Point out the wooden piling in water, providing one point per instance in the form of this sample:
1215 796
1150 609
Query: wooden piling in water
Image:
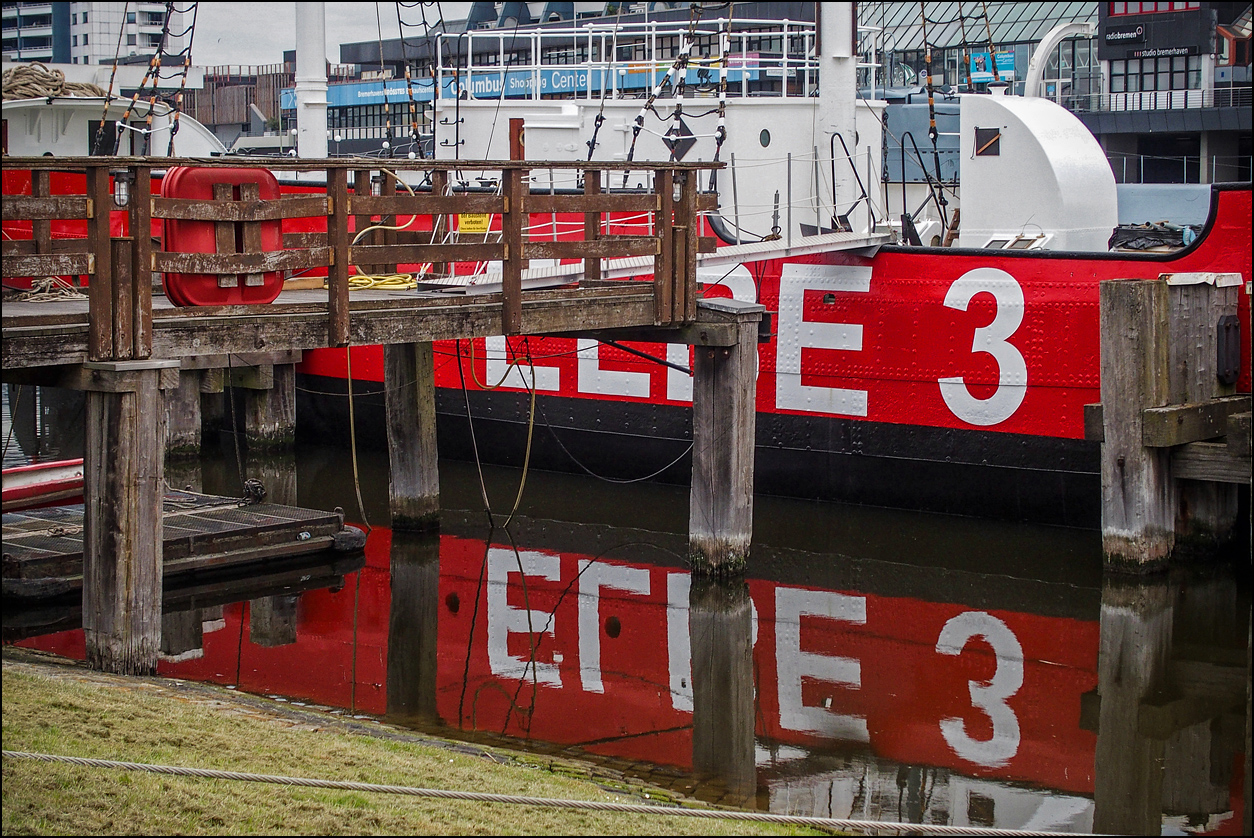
184 417
414 488
1138 498
1167 488
123 483
720 515
270 408
1207 509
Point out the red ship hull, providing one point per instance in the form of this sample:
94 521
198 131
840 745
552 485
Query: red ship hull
962 369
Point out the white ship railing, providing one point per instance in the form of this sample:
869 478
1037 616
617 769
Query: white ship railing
527 61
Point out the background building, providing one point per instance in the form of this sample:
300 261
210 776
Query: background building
88 33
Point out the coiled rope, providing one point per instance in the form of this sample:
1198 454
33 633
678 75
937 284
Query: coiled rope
485 797
44 290
35 81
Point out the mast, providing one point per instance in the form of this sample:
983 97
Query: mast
311 80
837 98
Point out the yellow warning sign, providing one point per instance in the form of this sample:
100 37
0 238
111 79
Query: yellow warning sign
473 222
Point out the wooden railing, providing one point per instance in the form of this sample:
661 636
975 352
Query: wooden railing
119 287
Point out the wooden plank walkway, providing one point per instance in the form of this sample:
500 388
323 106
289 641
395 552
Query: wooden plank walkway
38 334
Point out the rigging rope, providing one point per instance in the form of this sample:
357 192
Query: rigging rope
187 66
153 73
387 105
992 51
414 138
600 117
681 57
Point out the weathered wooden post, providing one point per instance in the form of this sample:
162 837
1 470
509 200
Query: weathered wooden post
122 529
124 457
720 517
1198 304
513 234
269 405
183 417
196 405
337 272
414 488
1139 499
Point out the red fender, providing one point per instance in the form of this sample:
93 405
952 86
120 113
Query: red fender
182 236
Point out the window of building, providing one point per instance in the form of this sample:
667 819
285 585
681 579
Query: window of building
74 19
74 60
130 40
1149 8
73 40
84 17
84 39
1135 75
130 17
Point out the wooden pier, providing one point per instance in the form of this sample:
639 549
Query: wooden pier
143 360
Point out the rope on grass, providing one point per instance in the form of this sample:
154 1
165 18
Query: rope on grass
484 797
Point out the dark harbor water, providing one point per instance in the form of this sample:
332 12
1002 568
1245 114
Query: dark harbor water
873 664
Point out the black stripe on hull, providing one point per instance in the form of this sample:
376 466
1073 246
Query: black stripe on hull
1013 477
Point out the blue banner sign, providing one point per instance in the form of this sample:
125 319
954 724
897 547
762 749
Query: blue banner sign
516 83
981 69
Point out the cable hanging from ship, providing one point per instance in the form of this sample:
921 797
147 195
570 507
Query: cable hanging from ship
964 62
932 133
97 146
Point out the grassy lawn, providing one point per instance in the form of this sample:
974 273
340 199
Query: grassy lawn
57 708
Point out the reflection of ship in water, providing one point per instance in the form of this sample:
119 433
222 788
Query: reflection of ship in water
940 672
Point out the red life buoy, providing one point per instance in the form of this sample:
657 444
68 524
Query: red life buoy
183 236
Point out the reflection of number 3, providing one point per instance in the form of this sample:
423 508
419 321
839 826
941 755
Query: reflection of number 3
1012 377
989 697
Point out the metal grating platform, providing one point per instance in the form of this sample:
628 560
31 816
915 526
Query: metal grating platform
199 531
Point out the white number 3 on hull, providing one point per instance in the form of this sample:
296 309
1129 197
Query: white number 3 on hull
1012 378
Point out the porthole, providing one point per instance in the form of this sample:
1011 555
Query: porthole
764 138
